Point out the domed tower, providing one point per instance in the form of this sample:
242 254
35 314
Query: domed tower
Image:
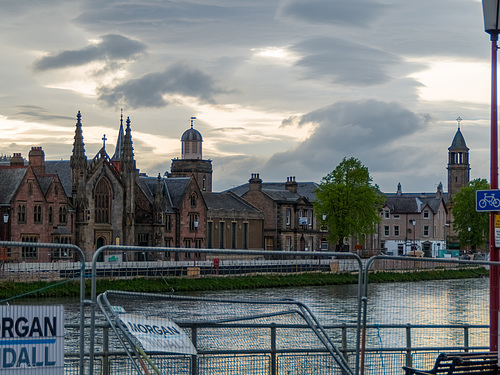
458 164
191 142
191 162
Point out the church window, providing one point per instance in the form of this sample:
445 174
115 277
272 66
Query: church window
56 190
210 226
63 213
168 223
29 252
37 214
21 214
51 215
193 199
30 187
102 202
221 235
193 222
61 253
233 235
204 183
143 239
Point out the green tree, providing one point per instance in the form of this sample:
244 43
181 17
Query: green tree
472 226
350 202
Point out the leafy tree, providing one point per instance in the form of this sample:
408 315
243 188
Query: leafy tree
349 200
465 215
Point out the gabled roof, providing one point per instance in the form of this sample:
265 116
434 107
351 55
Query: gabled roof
63 170
44 182
277 190
177 189
413 202
11 179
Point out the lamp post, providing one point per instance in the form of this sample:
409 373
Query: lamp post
491 15
414 247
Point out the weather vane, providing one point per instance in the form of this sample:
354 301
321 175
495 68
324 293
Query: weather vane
192 119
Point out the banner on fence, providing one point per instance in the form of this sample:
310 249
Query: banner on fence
158 334
32 340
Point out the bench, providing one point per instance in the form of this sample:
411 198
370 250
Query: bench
461 363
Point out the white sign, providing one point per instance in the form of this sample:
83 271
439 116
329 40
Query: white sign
31 340
497 237
158 334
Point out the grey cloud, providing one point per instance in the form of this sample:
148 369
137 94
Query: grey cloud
148 91
344 62
111 47
351 12
369 129
37 113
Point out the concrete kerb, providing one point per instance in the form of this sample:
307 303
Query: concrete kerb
324 254
82 284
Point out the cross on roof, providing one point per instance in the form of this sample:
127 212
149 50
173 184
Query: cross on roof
104 139
192 119
459 120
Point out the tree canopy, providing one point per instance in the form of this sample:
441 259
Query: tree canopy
349 200
466 217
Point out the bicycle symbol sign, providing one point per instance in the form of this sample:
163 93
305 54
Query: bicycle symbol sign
488 200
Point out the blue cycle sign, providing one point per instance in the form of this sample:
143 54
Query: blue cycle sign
488 200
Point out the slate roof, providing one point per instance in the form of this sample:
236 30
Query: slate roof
227 201
277 190
176 188
63 169
458 141
44 182
413 202
11 179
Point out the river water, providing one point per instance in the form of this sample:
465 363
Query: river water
435 303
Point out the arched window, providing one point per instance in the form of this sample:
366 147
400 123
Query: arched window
193 199
102 202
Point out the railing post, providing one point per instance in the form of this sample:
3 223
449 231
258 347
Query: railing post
466 337
408 346
344 341
105 351
194 358
273 349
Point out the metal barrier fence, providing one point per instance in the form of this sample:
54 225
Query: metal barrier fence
69 247
241 253
383 331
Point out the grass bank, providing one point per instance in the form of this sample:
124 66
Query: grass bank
162 285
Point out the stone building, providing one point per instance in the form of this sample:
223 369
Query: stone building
290 222
424 221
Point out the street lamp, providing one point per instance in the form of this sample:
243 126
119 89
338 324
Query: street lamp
492 26
414 247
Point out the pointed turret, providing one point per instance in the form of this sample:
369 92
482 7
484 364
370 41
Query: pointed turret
78 160
119 143
128 150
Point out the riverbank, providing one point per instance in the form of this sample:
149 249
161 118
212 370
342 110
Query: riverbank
71 288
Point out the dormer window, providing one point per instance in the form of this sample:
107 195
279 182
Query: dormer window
426 214
387 214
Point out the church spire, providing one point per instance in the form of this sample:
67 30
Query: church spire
78 159
119 142
128 149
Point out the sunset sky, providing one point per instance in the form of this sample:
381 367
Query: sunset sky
279 87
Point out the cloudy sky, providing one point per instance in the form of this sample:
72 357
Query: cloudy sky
278 87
